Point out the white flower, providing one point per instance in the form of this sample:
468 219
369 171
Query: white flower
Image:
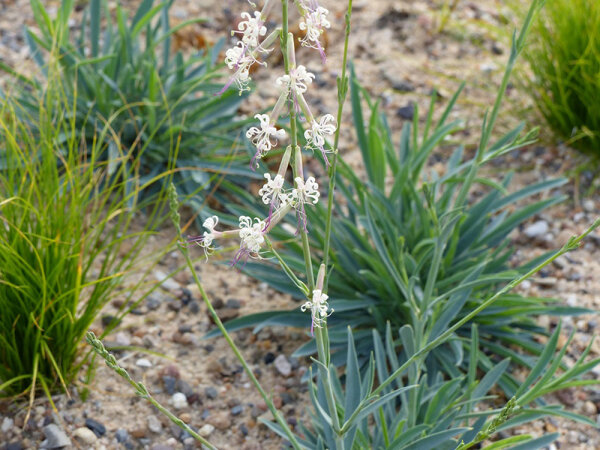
315 135
263 138
251 29
273 190
305 191
251 234
209 235
239 58
206 239
318 308
313 23
297 80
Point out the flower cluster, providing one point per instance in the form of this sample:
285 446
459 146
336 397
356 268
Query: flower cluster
251 48
313 23
318 307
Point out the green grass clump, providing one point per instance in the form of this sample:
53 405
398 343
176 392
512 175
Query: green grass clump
122 70
67 240
564 56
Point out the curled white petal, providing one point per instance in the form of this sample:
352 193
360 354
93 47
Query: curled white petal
251 29
325 126
251 234
265 137
272 189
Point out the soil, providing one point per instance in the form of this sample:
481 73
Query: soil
400 55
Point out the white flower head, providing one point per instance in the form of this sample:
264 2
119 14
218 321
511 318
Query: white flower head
305 191
265 137
273 190
251 29
206 239
315 135
318 308
240 59
313 23
209 235
298 80
252 234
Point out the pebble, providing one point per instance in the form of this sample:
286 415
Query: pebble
184 387
143 362
211 392
169 383
123 339
269 358
179 401
537 229
13 446
220 421
167 283
283 366
96 427
206 430
588 205
233 303
589 408
7 424
154 424
122 435
153 303
406 112
55 437
85 435
237 410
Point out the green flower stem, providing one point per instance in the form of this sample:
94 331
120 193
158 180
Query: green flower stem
571 245
489 121
342 91
276 414
287 49
140 389
322 340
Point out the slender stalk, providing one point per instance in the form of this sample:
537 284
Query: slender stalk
140 389
342 92
276 414
287 49
571 245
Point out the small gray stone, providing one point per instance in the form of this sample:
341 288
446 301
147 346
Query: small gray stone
122 435
406 112
211 392
55 437
96 427
283 366
233 303
169 383
7 425
153 303
237 410
537 229
184 387
167 283
154 424
143 362
589 205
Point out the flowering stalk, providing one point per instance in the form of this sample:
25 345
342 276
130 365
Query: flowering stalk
342 86
185 251
281 200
